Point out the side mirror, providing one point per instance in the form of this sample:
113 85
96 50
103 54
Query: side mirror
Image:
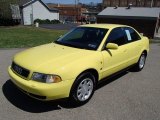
112 46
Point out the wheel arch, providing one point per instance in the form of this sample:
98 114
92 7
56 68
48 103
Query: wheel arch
93 71
145 52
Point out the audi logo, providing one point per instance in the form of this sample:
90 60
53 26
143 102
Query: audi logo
18 69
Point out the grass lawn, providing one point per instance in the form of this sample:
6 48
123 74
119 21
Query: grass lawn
21 36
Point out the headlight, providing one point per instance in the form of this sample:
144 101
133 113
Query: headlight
45 78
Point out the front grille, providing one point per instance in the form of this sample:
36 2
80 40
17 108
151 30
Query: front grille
20 70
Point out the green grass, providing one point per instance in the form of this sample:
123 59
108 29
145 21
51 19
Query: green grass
21 37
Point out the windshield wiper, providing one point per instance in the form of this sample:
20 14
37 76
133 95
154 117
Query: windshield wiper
71 45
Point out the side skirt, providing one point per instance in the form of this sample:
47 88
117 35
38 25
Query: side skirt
115 74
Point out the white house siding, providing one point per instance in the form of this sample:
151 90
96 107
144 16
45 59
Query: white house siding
27 14
39 12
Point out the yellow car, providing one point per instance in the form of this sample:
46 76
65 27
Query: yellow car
72 66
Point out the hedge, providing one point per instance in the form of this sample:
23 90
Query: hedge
9 22
47 21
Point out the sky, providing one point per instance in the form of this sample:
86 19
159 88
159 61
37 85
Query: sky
71 1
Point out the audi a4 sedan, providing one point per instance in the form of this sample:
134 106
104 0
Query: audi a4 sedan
72 66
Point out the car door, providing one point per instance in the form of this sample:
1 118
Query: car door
115 59
133 44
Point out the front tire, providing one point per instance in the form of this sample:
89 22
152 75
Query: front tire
83 88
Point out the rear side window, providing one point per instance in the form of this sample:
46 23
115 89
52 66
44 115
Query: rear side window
117 36
131 34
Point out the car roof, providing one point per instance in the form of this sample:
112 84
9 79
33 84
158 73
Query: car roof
106 26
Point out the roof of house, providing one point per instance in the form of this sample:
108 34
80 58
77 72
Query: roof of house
132 12
33 1
22 2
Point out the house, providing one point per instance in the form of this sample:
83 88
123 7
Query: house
36 9
25 11
69 12
135 3
145 20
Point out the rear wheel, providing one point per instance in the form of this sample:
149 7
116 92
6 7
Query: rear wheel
141 62
83 88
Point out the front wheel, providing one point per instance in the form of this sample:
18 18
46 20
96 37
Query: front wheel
83 88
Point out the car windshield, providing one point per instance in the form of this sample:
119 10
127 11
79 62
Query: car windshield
83 37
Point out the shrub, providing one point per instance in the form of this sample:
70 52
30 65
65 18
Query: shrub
37 20
47 21
8 22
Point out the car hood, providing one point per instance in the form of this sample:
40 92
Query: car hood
49 56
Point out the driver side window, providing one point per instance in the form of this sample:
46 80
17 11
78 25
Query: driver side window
117 36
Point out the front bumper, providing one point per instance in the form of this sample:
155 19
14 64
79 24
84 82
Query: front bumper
42 91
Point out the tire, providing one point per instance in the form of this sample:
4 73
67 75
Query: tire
83 89
141 62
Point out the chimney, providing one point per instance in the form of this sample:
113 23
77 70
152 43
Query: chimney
116 7
129 6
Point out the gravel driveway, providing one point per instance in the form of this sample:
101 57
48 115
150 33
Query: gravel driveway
129 96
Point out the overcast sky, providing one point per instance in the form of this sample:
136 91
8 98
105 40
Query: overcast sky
71 1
